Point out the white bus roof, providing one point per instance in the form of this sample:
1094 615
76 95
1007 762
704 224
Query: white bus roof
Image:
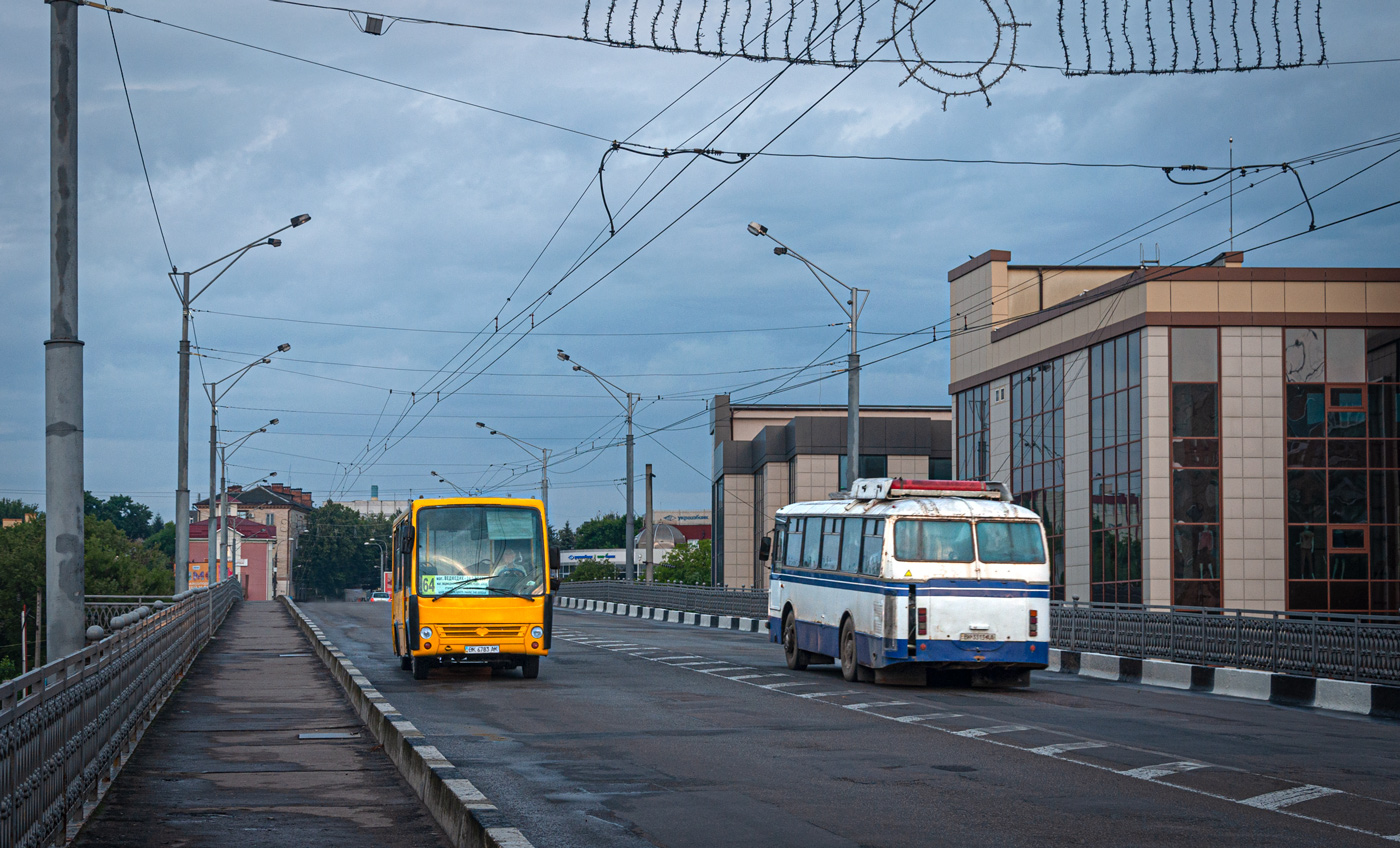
913 507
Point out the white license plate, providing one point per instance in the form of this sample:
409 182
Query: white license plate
979 637
481 649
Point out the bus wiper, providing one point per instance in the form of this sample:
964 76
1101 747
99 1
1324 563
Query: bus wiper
512 594
458 585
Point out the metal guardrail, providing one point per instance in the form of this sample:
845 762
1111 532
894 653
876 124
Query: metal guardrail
101 609
1363 648
66 728
709 600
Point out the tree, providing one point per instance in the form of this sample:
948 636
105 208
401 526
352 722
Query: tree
16 508
132 518
332 555
164 541
604 531
562 540
686 564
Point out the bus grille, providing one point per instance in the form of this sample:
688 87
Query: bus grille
480 631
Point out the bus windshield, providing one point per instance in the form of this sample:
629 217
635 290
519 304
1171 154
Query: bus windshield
467 551
1010 542
918 540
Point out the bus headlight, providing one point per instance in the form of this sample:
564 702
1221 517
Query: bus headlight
537 632
426 632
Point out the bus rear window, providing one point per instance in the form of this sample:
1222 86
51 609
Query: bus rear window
932 541
1010 541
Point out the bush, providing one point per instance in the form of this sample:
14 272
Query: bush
593 570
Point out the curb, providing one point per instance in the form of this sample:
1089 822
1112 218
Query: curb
468 818
742 624
1368 699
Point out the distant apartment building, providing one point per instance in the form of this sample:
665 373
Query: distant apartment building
1203 436
766 457
376 508
283 507
252 548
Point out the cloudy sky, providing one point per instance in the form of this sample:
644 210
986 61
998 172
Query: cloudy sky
432 218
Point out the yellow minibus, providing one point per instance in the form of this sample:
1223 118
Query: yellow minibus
472 580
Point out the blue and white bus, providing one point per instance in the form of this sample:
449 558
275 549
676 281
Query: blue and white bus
908 576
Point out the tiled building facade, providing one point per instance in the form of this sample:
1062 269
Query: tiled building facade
1205 436
766 457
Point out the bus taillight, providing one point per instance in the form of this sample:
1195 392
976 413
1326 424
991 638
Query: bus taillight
1035 622
923 622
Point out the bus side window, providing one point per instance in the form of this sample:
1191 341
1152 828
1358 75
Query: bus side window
831 543
812 542
850 545
873 546
792 551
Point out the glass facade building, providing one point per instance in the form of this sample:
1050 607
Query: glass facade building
1038 455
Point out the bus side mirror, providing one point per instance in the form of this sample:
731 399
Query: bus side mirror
406 541
765 548
554 566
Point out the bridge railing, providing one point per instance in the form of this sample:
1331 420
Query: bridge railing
1364 648
709 600
66 727
101 609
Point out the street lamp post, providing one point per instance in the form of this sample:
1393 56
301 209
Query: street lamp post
182 486
380 545
213 392
852 309
544 464
225 451
629 407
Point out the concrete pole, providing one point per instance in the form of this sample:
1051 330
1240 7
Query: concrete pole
853 399
182 461
213 552
544 485
651 529
630 526
225 557
63 352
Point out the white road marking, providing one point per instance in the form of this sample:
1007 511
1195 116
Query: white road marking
1062 747
977 732
1153 772
781 685
695 662
668 659
910 719
824 694
716 671
876 704
751 676
1288 797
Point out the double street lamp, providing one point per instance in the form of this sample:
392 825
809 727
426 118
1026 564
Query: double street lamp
226 450
544 464
181 281
629 406
852 307
382 552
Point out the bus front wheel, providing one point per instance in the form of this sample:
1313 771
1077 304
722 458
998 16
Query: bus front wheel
797 658
421 666
849 667
530 667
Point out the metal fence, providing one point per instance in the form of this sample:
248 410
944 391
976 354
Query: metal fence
66 727
710 600
1346 647
101 609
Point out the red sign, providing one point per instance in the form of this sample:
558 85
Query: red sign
389 582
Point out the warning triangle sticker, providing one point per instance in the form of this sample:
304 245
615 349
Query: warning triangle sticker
908 574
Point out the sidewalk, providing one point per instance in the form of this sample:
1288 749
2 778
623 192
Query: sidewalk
223 765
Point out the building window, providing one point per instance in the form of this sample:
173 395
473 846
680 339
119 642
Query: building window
1037 456
940 469
870 466
974 432
717 544
1342 425
1115 470
1196 566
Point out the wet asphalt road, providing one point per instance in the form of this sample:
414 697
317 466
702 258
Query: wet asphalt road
642 733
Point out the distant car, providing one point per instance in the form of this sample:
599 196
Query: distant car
380 596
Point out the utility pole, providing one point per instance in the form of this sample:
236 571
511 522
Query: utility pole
631 528
63 352
651 529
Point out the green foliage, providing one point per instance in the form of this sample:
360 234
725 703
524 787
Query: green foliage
562 540
113 565
132 518
16 508
604 531
593 570
332 555
688 564
164 541
8 668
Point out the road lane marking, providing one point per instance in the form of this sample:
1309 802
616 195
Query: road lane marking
875 704
1062 747
1153 772
1276 802
1288 797
977 732
698 662
781 685
687 657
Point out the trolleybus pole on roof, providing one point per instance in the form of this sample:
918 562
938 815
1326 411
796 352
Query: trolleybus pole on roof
544 463
852 308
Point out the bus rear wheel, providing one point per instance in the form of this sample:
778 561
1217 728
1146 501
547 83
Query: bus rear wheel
421 666
849 667
530 667
797 658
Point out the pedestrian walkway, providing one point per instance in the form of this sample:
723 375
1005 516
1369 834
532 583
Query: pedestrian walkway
230 761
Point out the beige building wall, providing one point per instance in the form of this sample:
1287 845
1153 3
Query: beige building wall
999 439
1077 512
773 493
908 467
1251 466
1156 467
738 529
